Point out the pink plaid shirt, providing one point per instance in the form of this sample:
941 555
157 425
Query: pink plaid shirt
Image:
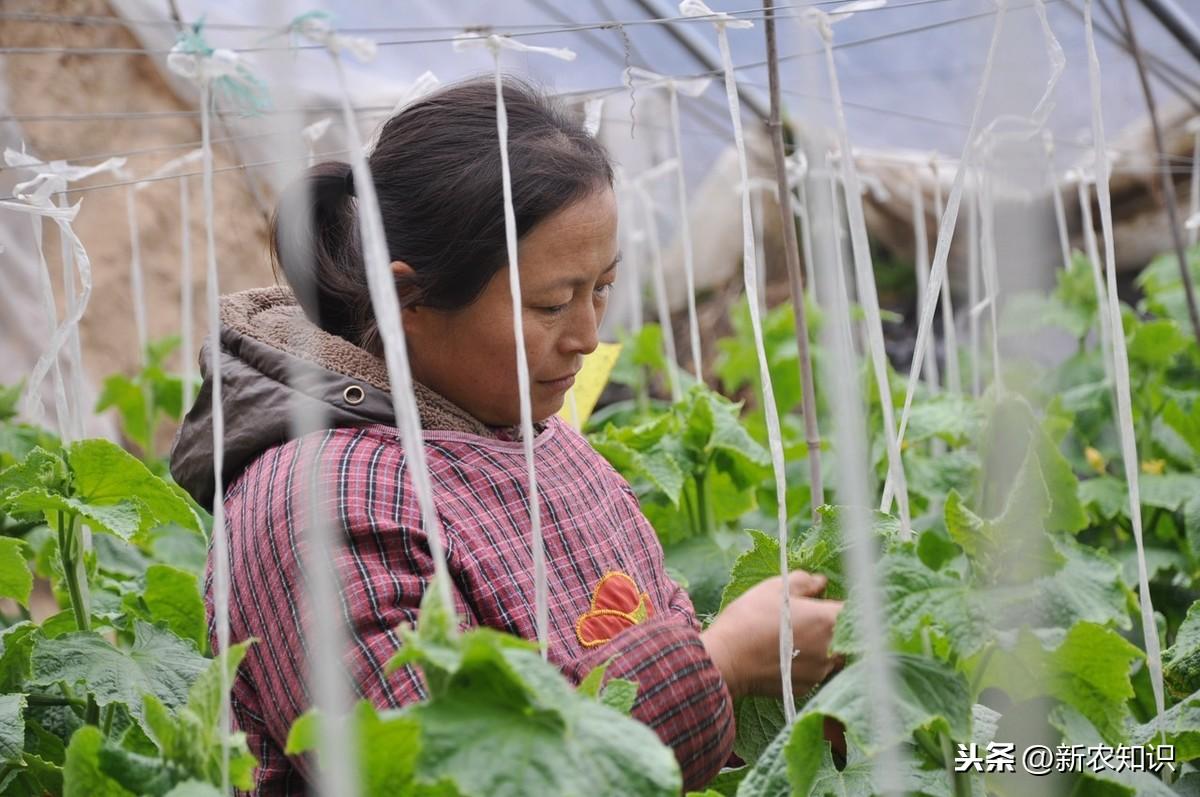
609 594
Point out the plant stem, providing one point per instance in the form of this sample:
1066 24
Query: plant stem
691 512
988 652
109 711
702 503
66 552
52 700
812 435
92 713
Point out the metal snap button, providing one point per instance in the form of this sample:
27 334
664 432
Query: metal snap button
354 395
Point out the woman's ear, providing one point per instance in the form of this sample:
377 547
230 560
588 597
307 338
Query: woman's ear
410 313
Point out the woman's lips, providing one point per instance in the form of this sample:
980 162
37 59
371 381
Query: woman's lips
562 384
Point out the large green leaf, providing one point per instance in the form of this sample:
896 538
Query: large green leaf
1181 661
755 565
121 519
106 474
925 694
82 775
1089 671
16 581
159 664
172 596
12 728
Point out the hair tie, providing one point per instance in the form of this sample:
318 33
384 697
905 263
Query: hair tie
348 181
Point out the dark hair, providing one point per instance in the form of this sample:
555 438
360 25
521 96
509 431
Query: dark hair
436 170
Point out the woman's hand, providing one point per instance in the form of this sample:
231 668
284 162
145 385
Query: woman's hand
743 641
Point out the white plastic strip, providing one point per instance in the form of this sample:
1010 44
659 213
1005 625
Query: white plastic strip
991 277
1060 215
496 44
185 290
921 266
801 210
1093 253
949 327
865 282
750 278
660 292
1121 369
973 288
73 348
136 280
941 252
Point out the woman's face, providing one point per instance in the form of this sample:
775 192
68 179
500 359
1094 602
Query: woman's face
567 267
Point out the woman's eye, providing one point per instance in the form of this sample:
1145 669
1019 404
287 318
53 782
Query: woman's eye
554 309
604 290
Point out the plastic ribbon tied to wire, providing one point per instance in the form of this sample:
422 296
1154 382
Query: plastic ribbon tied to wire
497 44
696 8
216 71
694 87
1121 369
52 178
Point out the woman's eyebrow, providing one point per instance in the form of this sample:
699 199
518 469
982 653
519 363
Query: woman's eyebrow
577 281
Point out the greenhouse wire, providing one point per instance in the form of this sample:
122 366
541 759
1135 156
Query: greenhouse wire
941 252
949 328
770 411
1121 372
1092 247
864 278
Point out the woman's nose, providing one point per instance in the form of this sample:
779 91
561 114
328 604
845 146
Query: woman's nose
583 333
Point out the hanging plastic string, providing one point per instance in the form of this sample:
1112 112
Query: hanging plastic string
1121 369
1060 215
941 252
864 274
689 88
800 209
1092 248
921 239
52 179
631 246
757 188
949 328
424 84
695 8
1193 127
137 287
216 72
496 44
658 275
973 288
171 167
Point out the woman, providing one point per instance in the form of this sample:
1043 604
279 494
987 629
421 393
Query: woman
436 168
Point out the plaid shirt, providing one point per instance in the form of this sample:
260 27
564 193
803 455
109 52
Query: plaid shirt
609 593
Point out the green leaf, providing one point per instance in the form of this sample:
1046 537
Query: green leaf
1181 661
194 788
10 396
12 728
1185 422
82 775
757 721
935 550
590 685
620 694
925 695
140 774
754 566
159 663
16 581
16 646
1090 671
1169 491
173 597
1106 496
129 399
1178 726
1155 344
106 474
121 519
965 527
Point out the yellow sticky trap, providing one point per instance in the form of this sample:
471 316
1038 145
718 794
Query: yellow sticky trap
589 384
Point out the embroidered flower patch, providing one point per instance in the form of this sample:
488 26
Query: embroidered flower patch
616 605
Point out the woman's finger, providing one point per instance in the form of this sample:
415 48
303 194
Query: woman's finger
806 585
